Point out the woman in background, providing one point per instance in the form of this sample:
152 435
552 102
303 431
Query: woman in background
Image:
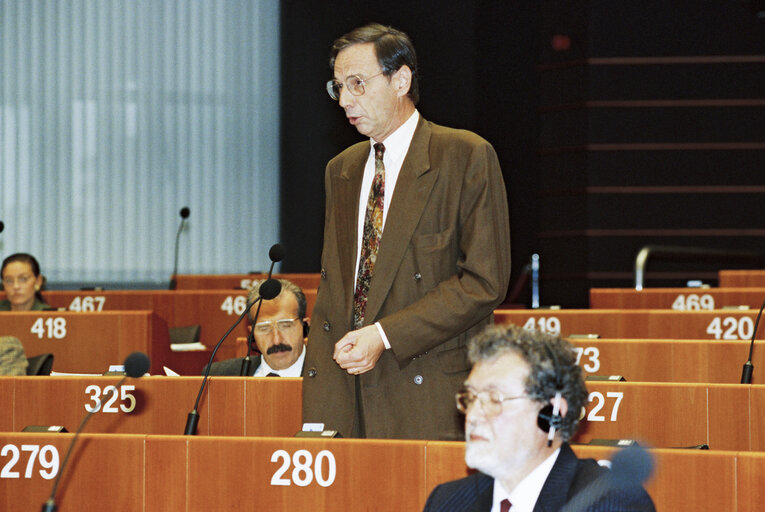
22 282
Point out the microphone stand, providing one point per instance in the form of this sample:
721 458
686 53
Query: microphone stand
193 417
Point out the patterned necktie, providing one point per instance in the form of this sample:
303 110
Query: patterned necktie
504 505
272 374
373 222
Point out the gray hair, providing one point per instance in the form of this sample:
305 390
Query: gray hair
286 286
552 366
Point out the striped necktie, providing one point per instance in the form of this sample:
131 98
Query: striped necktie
373 222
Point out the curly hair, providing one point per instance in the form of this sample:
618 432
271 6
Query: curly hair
552 366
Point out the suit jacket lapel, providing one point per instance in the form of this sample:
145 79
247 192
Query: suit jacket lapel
555 490
347 186
415 181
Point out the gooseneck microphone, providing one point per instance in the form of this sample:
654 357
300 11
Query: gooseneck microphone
746 372
185 212
268 290
276 253
136 364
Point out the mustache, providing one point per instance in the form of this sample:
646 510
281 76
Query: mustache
281 347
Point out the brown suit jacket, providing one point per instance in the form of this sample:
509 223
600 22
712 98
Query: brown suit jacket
442 267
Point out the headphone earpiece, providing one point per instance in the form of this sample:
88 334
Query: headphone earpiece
546 419
306 327
549 418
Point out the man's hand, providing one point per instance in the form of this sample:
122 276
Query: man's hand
358 351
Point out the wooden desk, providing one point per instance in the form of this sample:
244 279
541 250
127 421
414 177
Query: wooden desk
240 281
723 416
169 473
742 278
214 311
655 360
635 323
680 299
233 406
663 414
90 342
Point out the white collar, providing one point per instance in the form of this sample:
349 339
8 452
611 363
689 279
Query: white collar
526 493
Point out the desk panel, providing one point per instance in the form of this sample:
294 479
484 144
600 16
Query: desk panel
741 278
89 342
235 406
675 415
165 473
240 281
247 469
635 323
655 360
104 473
6 403
679 299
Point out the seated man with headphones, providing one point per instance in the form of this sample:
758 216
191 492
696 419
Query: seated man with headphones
279 335
522 403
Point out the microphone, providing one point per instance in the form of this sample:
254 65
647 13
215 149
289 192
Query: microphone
136 364
2 226
268 290
185 212
746 371
276 253
630 467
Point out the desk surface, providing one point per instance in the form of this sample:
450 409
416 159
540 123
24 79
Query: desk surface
240 281
635 323
163 473
680 299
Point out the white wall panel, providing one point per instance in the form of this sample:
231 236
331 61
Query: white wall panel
115 114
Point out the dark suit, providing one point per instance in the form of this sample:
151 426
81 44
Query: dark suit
568 477
442 267
232 367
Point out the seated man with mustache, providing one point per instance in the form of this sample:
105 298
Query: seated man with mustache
279 335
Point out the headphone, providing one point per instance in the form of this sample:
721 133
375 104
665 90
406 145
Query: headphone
306 327
549 418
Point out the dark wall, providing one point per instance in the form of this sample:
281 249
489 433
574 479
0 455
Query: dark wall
477 62
617 124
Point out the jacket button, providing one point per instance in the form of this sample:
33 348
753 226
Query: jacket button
417 276
311 372
325 326
418 379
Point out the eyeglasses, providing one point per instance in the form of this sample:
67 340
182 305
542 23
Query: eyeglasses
491 401
22 280
267 327
355 85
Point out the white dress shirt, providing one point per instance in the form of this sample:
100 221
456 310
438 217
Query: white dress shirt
396 148
526 493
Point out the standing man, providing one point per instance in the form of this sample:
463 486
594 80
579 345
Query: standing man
416 253
522 403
